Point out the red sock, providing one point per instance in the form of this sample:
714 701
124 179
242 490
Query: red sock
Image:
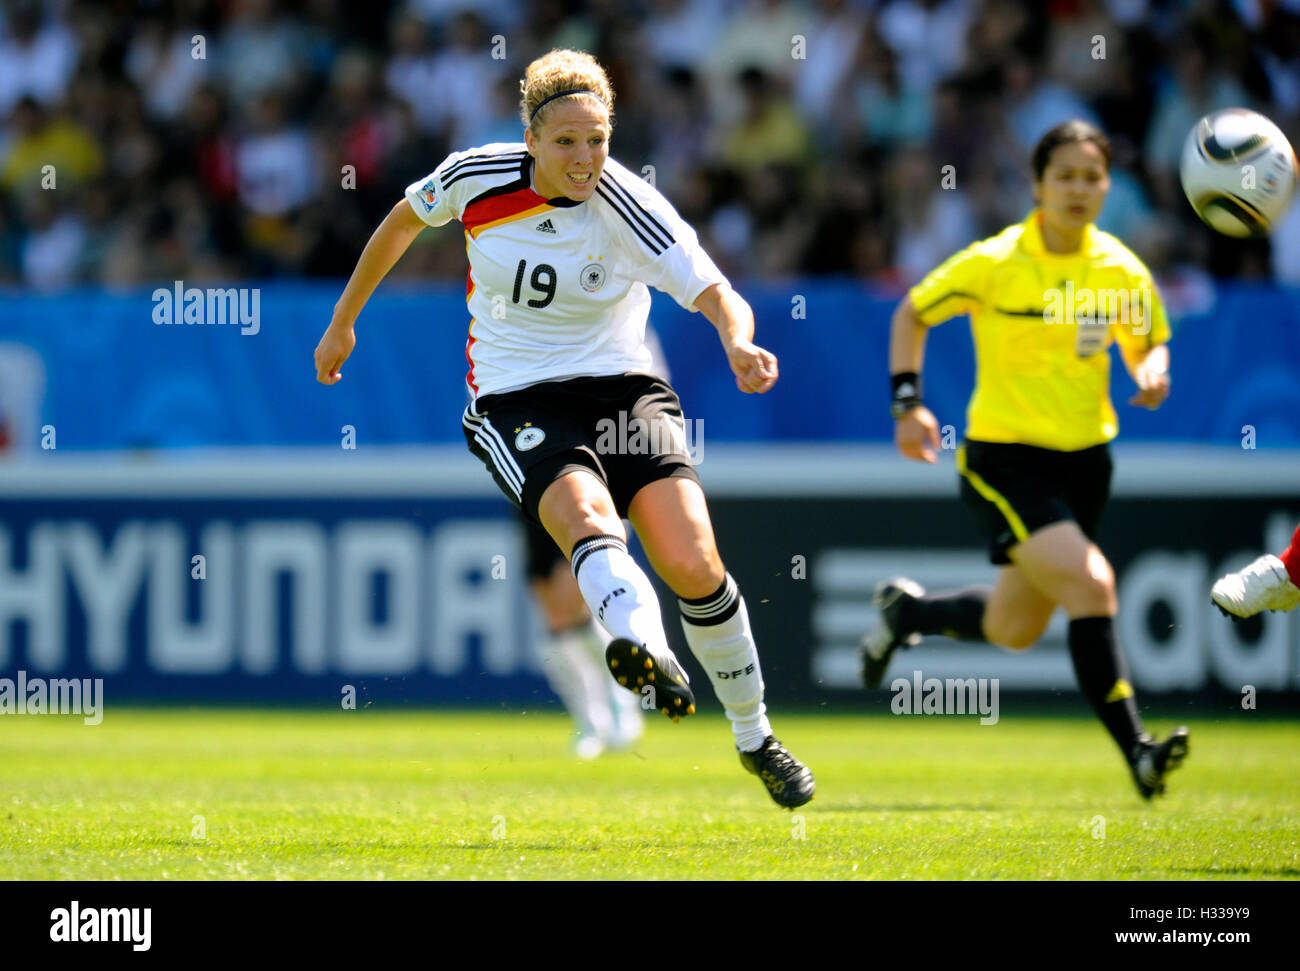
1291 558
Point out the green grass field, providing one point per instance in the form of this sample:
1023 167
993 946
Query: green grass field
369 795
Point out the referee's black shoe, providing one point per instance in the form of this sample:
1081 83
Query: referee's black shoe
661 680
1151 761
789 782
879 646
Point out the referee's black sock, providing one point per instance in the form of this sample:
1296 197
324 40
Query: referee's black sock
1103 676
958 614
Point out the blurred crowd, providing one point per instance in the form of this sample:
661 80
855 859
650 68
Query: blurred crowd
207 140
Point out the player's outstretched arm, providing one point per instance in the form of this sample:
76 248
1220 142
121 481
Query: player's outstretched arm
916 430
1150 372
386 246
754 367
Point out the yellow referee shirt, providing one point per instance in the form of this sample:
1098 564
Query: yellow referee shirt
1042 324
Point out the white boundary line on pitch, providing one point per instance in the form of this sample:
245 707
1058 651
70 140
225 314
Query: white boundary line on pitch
446 471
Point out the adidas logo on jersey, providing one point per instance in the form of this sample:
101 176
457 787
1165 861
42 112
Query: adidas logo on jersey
546 227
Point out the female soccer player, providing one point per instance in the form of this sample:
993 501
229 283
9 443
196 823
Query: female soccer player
1046 298
573 647
563 242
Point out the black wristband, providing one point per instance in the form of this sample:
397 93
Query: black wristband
906 393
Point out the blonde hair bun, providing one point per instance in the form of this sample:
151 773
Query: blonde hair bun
559 71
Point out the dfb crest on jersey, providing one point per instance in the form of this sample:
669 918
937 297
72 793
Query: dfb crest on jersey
527 436
592 277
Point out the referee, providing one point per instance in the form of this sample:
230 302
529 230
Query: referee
563 245
1046 298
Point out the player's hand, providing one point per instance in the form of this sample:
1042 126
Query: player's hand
332 351
755 368
1153 388
917 435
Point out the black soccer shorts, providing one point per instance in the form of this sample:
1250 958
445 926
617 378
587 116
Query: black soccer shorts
1015 490
626 429
543 554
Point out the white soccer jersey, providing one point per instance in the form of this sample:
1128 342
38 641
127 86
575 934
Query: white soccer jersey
558 289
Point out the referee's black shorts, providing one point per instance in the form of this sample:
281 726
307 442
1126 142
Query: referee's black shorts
1015 490
626 429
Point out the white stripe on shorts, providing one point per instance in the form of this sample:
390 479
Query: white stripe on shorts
493 450
492 443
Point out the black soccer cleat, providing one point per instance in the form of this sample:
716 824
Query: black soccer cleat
1151 761
879 646
660 679
789 782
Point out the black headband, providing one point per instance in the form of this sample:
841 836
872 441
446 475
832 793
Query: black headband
558 94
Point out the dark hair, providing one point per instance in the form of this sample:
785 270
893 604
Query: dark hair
1068 133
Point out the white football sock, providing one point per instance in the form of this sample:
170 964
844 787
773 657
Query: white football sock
717 629
595 639
623 706
619 593
579 683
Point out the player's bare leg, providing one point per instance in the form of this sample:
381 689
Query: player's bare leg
578 512
672 519
1011 614
1016 613
1067 568
1269 583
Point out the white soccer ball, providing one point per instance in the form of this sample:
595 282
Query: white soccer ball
1239 172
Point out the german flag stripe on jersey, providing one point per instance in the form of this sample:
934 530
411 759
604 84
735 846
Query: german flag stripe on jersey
496 210
470 339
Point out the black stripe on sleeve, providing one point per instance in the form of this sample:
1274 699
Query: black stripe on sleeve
448 183
1019 313
483 160
934 303
655 247
636 208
